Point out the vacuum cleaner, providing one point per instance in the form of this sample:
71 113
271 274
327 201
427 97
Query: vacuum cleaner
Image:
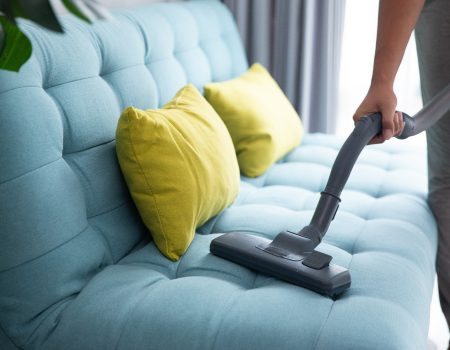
292 256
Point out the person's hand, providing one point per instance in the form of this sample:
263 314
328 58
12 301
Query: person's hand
382 99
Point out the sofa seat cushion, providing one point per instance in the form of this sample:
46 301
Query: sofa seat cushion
384 233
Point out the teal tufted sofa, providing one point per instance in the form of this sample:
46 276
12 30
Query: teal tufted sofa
77 267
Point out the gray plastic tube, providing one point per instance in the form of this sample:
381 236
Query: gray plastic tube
431 113
364 131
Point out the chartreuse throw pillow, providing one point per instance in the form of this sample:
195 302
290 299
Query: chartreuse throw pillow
262 122
180 166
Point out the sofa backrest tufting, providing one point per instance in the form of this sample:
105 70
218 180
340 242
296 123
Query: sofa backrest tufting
72 215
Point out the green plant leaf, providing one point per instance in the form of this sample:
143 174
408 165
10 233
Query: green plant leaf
16 48
38 11
72 8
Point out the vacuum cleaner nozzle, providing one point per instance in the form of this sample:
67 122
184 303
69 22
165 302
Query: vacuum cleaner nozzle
303 266
292 256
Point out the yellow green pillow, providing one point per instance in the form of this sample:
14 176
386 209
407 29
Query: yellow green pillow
262 122
180 167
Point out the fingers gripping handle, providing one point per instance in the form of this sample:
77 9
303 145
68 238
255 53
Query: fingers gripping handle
377 126
426 117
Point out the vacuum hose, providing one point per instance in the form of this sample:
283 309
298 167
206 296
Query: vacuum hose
364 131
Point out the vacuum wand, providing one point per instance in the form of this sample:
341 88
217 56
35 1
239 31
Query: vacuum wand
292 256
365 130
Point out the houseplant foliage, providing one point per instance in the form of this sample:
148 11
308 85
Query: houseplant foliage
15 47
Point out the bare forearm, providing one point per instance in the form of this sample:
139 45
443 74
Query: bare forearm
396 20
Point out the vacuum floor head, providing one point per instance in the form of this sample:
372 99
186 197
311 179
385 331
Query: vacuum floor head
303 266
292 256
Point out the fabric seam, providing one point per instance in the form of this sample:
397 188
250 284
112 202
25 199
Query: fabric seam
9 338
30 171
47 252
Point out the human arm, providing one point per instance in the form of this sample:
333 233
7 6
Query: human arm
396 20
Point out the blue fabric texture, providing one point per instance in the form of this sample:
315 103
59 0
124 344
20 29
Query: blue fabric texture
77 267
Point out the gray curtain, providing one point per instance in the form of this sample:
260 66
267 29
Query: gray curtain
299 41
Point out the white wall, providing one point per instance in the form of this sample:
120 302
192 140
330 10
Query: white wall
357 60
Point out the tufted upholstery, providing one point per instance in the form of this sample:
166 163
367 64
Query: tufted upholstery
77 269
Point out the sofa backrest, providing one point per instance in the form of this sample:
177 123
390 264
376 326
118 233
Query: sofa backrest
65 211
